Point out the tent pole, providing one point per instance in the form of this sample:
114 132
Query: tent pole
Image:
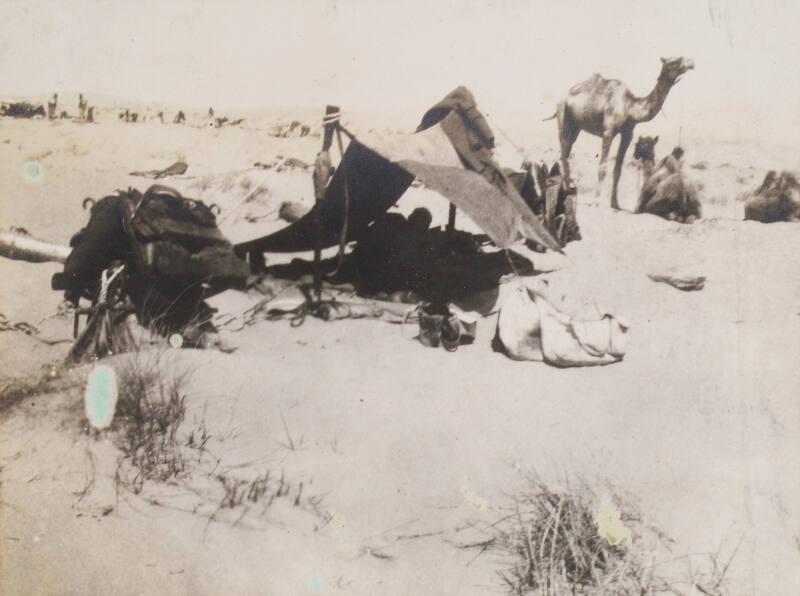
327 140
451 220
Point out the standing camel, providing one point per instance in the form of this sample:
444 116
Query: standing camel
606 108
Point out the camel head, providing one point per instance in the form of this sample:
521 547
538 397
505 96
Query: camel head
673 68
645 149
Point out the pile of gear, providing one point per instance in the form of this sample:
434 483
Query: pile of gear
157 255
555 202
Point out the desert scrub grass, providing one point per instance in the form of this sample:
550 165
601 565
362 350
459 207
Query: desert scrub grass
556 544
150 412
246 497
556 547
262 489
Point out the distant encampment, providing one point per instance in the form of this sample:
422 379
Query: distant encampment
21 109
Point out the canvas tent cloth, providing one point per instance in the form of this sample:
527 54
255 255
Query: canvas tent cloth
450 153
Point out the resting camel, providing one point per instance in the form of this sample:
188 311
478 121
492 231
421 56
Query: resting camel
606 108
668 193
777 199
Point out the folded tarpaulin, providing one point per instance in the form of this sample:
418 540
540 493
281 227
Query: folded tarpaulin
379 169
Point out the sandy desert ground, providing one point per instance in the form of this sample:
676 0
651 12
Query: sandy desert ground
405 453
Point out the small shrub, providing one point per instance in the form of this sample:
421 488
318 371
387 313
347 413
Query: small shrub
556 547
150 411
262 488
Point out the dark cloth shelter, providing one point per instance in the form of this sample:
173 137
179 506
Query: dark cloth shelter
450 153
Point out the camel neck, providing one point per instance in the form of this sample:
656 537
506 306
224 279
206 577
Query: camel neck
645 108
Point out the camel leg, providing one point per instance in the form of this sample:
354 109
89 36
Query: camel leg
567 135
624 142
608 138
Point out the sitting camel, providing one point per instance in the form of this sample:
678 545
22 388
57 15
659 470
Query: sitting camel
777 199
668 194
606 108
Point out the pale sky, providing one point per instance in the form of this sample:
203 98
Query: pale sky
396 55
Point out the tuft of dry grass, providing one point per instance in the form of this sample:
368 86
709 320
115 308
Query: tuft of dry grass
263 488
158 444
244 498
555 547
150 412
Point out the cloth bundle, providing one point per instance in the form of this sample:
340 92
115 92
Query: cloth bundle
531 327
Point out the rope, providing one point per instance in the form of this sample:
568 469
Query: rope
326 310
332 118
22 326
63 310
107 277
28 329
518 149
511 263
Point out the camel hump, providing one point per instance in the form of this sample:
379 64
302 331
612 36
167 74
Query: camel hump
586 85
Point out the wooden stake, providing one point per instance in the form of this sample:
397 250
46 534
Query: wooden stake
451 220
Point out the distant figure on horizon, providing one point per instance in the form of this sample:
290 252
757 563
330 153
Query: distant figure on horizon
211 113
82 105
52 106
180 118
90 114
160 116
